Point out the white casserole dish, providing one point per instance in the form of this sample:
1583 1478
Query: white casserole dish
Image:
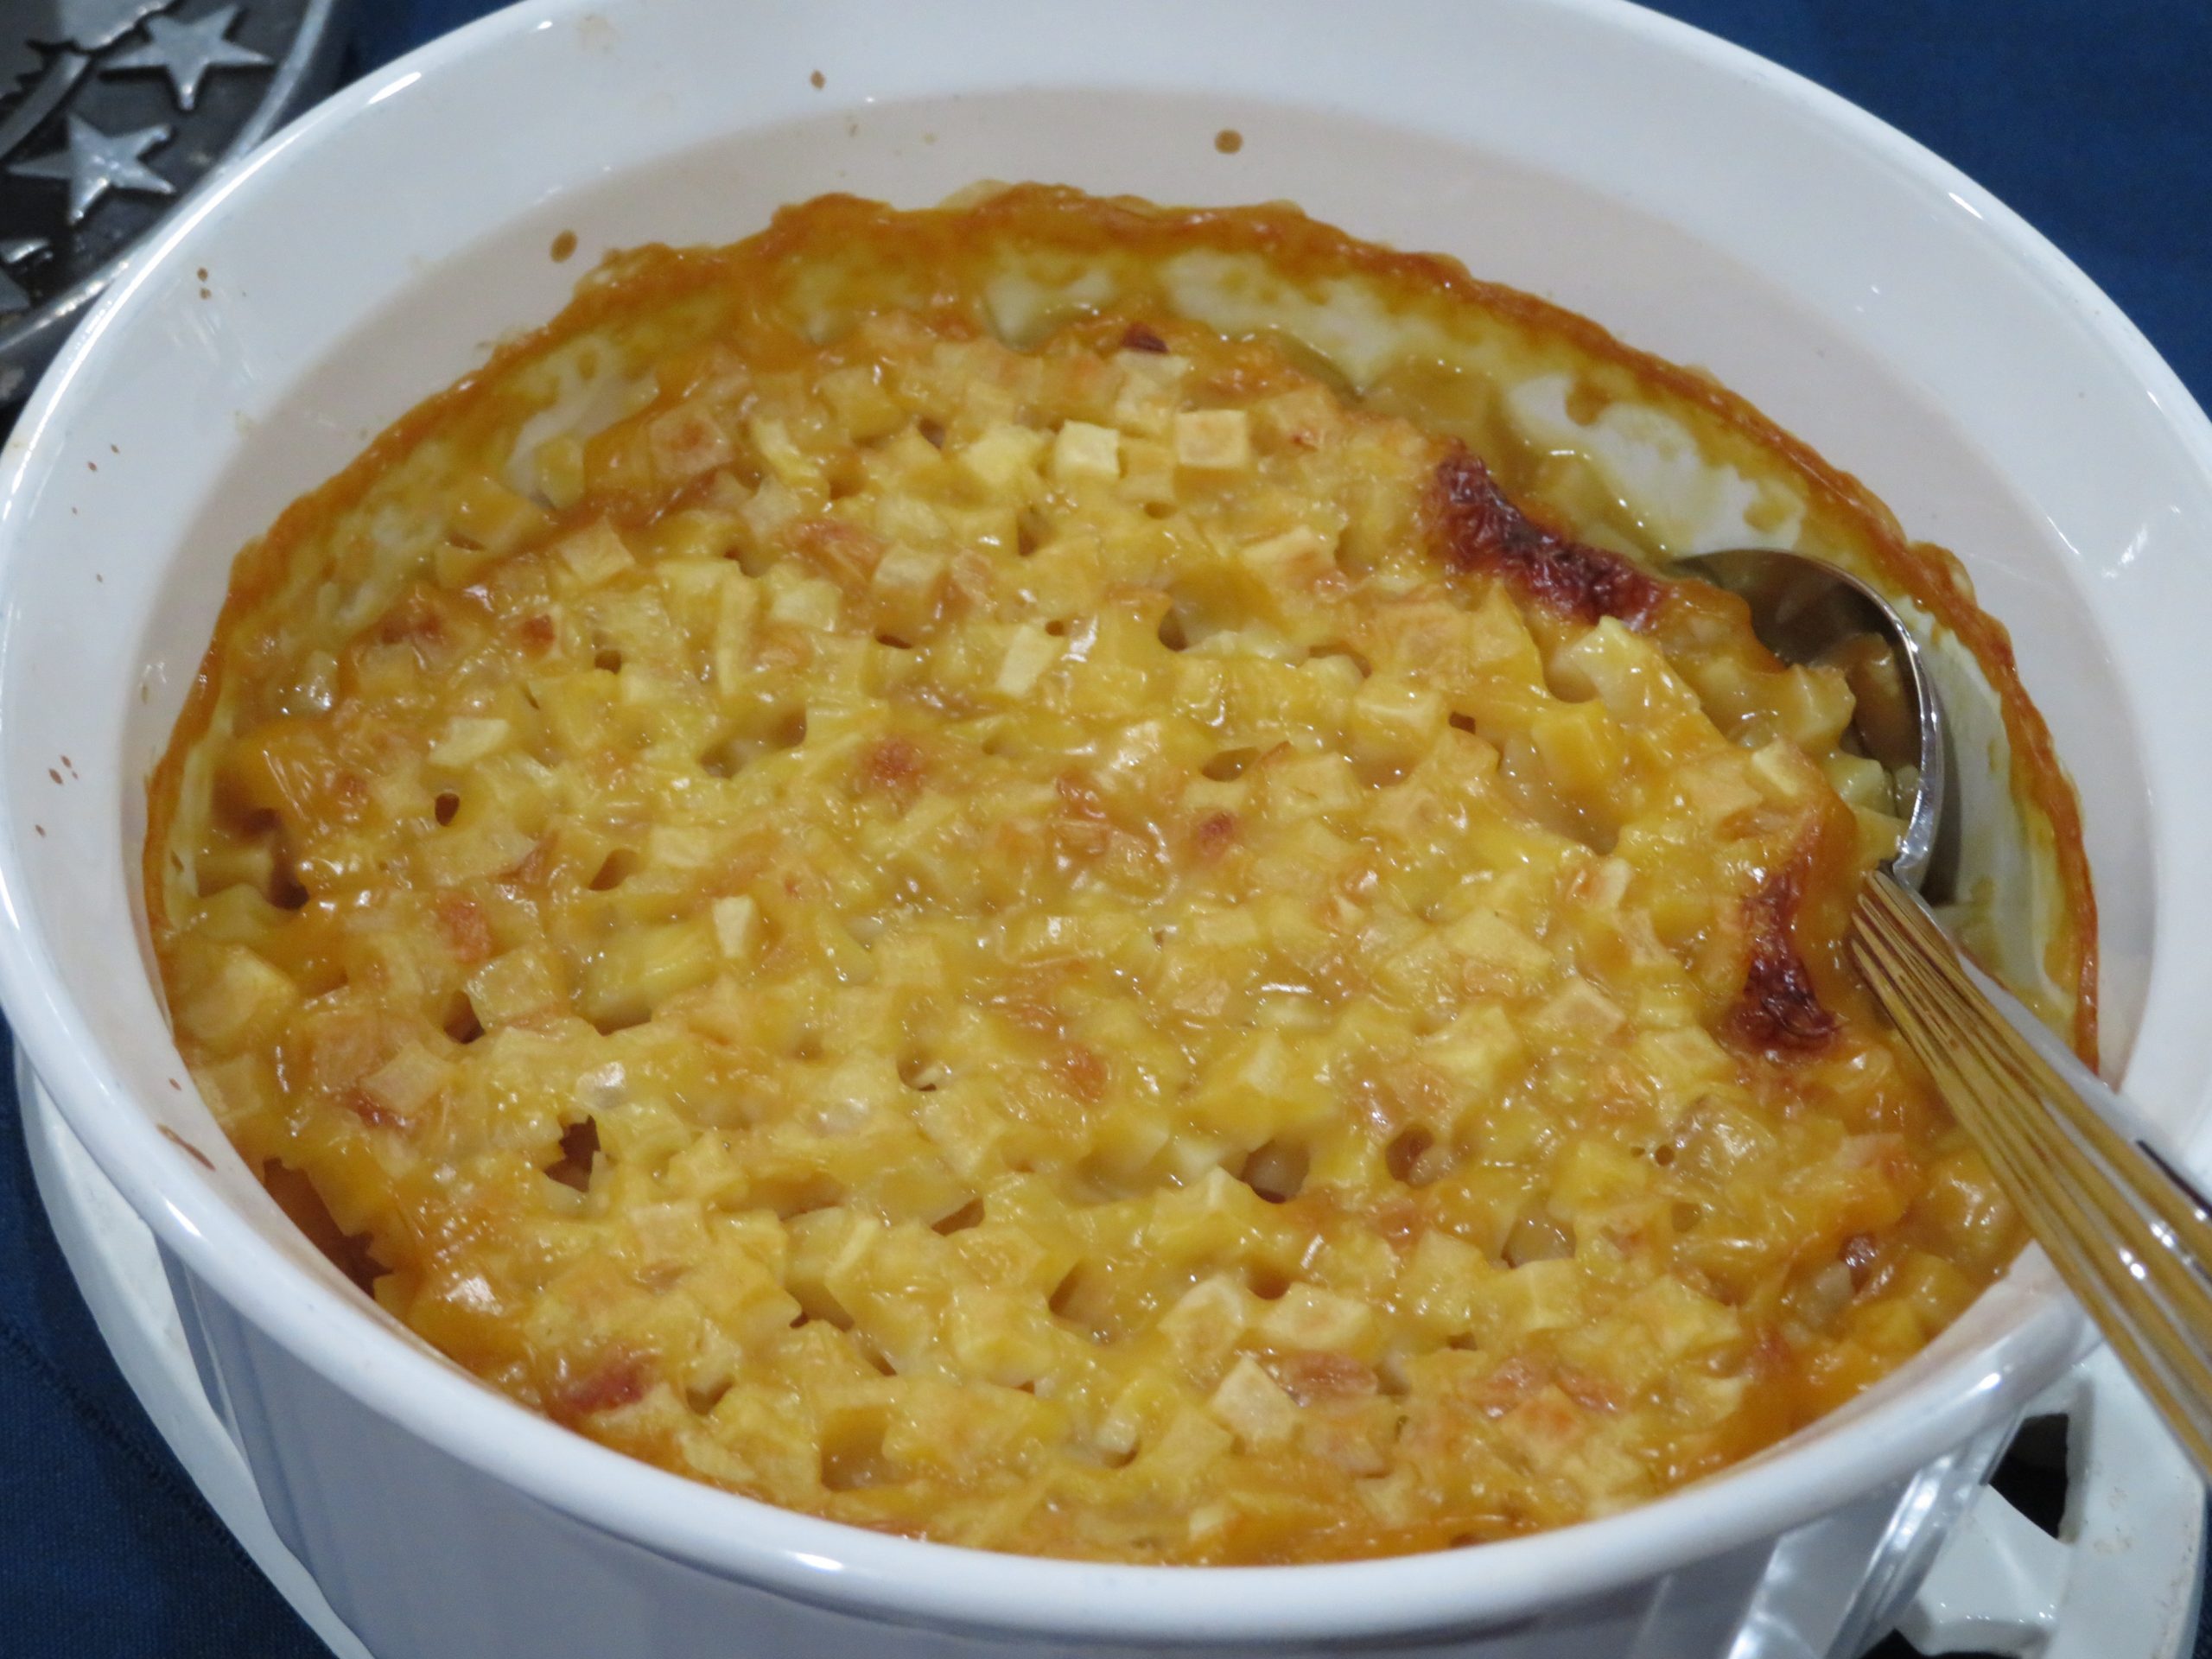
1700 203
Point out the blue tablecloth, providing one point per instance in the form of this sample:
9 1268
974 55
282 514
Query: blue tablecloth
2092 118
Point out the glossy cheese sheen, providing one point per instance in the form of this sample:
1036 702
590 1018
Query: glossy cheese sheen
903 869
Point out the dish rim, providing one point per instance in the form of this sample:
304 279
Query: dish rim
912 1580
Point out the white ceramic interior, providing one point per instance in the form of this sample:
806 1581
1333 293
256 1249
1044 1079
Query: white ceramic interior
1702 203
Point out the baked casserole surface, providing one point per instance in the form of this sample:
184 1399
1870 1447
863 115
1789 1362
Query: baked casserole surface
1067 877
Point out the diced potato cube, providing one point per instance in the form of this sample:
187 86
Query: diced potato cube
488 513
1781 767
1498 639
1148 472
1479 1051
1253 1406
1028 654
1309 1317
740 601
1543 1429
559 463
459 854
1213 440
1681 1321
787 463
680 846
1682 1061
512 987
1226 929
1301 555
1084 451
594 554
1499 956
1003 457
771 506
637 971
858 395
1206 1322
909 582
1264 1066
1304 419
1192 1441
1861 780
1580 746
1718 790
1395 1499
1580 1012
686 441
1393 718
1596 1175
1543 1295
468 740
901 518
810 601
246 994
734 917
966 1129
456 566
407 1082
857 1091
1161 370
1438 1289
996 1336
1813 705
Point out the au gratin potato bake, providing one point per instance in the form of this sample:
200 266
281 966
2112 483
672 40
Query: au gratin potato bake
1070 877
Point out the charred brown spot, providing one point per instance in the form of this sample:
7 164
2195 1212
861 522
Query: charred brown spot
536 867
1141 338
1779 1009
1518 1379
413 621
1084 1072
468 931
1860 1253
1214 833
371 1110
537 632
1315 1379
607 1385
846 553
1401 1221
891 766
1772 1355
1080 796
1474 528
1591 1393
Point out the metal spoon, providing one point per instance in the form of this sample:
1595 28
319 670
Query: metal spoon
2104 1191
1806 610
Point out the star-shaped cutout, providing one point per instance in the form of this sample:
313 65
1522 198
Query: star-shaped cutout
96 162
186 52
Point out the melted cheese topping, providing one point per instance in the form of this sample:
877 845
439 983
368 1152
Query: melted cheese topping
1089 946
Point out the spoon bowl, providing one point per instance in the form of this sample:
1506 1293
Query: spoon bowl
1806 610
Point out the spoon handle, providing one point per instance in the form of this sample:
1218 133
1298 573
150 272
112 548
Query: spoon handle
2107 1196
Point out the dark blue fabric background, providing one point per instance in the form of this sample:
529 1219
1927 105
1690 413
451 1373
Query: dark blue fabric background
2092 118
